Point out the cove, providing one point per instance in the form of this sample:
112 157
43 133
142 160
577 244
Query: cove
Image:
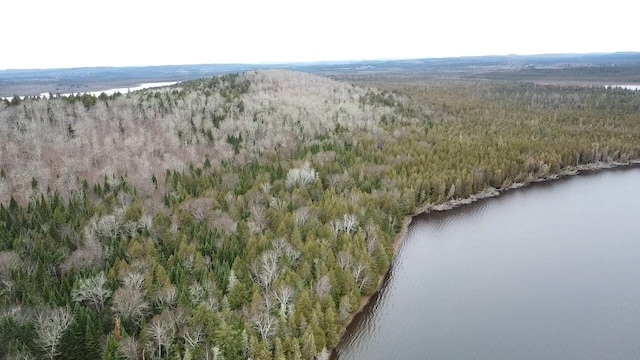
548 271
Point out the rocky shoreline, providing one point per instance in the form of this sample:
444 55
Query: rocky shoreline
486 193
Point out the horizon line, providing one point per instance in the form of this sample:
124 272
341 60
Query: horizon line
284 63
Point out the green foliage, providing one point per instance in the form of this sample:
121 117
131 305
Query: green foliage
14 336
84 337
16 100
236 142
230 248
134 212
111 349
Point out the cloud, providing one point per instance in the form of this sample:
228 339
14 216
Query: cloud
118 33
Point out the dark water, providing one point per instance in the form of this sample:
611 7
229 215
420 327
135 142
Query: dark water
546 272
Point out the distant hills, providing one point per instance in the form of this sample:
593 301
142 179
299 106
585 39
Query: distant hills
36 81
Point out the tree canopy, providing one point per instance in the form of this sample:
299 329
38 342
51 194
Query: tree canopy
246 216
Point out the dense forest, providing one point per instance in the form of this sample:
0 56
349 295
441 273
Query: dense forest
246 216
607 68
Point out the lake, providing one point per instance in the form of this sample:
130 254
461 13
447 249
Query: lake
551 271
122 90
627 87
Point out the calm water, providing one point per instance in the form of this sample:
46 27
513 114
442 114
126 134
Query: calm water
627 87
546 272
122 90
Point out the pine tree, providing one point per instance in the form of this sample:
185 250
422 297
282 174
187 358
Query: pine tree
111 349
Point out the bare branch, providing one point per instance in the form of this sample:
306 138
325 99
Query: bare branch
301 215
345 260
51 325
162 330
265 270
284 295
349 222
302 176
129 348
193 336
129 303
92 292
167 296
323 286
265 324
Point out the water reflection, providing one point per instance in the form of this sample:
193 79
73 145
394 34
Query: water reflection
543 272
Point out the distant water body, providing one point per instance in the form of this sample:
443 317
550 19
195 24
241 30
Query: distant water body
627 87
546 272
122 90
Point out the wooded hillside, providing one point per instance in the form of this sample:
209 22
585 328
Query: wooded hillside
246 216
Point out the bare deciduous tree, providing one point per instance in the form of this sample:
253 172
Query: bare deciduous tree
110 226
301 215
196 293
146 222
14 313
264 270
302 176
277 203
284 295
217 353
345 260
89 253
129 348
198 208
292 254
372 237
268 301
265 324
322 286
349 222
193 336
51 325
265 188
221 221
128 303
124 199
178 316
323 354
334 180
211 303
162 330
133 279
337 226
258 222
360 275
92 292
9 261
167 296
279 245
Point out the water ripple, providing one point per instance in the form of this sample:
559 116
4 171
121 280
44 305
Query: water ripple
548 272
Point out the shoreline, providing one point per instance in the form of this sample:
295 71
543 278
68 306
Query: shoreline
455 203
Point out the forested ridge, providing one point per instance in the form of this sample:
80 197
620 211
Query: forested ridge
246 216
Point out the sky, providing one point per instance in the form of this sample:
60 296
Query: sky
74 33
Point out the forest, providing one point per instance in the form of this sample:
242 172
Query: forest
607 68
246 216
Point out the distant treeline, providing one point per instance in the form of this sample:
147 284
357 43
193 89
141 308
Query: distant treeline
246 216
37 81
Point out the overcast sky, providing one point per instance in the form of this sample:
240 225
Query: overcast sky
73 33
